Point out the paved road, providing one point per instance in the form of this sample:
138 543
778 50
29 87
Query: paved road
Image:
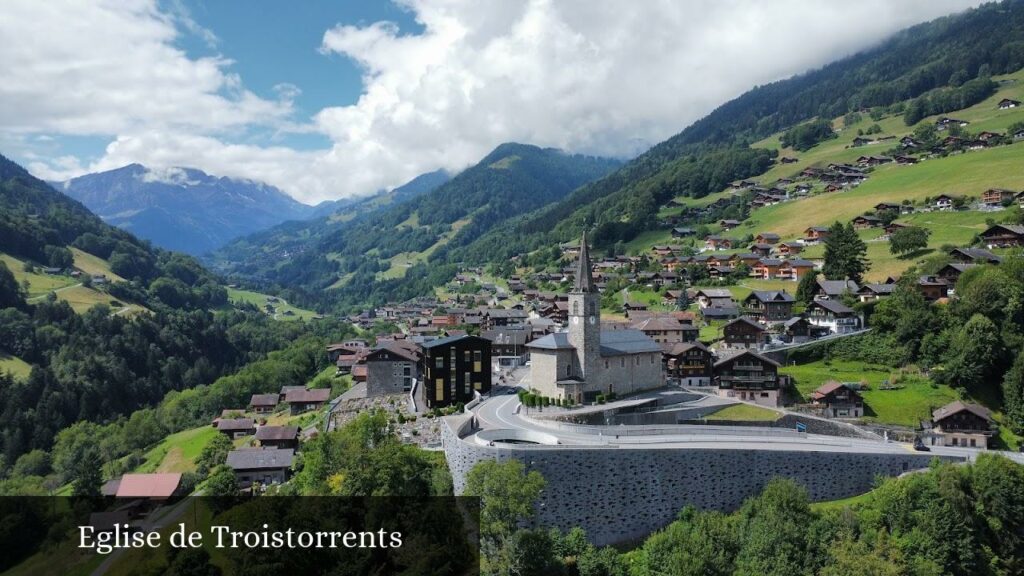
502 410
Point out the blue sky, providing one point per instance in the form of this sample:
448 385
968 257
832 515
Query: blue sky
331 99
274 43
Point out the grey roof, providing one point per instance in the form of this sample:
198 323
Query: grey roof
746 320
837 287
771 296
746 353
235 424
833 306
977 254
277 433
264 399
449 340
878 288
958 406
714 293
305 396
262 459
556 341
1014 228
800 262
584 282
619 342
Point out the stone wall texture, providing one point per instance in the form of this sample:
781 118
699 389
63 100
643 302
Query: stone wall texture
623 494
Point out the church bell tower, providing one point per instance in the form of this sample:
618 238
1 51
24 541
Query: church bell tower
585 317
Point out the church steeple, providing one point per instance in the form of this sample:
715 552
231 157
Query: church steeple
584 283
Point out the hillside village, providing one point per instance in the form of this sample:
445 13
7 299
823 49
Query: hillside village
716 289
844 313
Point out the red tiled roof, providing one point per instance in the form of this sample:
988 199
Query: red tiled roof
148 485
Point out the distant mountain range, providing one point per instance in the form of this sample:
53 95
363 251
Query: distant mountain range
183 209
382 248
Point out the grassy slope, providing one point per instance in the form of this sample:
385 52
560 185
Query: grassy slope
746 413
39 284
906 406
402 261
177 452
93 265
15 366
260 300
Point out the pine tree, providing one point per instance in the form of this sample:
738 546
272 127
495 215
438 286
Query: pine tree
845 254
1013 394
806 288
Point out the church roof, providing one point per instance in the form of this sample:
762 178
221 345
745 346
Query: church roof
620 342
584 278
556 341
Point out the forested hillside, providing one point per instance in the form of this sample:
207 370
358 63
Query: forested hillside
382 257
149 327
254 255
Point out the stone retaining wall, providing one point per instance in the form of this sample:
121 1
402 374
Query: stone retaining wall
623 494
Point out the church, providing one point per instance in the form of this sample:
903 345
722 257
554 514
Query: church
585 360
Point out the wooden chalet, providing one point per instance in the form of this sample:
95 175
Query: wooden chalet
748 376
743 333
959 424
996 196
1003 236
689 363
836 400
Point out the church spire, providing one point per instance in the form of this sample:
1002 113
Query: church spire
584 279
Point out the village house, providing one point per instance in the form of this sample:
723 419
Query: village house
263 466
660 329
156 487
836 400
815 234
748 376
728 224
767 238
391 369
945 122
743 334
1003 236
943 202
714 242
236 427
892 227
837 317
974 256
714 298
263 403
762 250
303 400
788 160
1006 104
869 292
905 160
959 424
689 363
278 437
454 368
951 272
769 306
789 248
933 287
508 345
766 268
682 232
863 222
996 196
795 269
832 289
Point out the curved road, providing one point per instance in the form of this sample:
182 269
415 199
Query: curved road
502 410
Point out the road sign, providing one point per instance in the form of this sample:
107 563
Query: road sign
801 427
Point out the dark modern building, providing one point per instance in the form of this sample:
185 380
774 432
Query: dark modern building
453 368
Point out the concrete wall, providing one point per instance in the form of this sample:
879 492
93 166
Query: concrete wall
624 494
632 377
383 377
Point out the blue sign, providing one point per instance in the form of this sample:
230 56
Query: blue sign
801 427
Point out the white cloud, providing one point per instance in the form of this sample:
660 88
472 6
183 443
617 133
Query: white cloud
600 77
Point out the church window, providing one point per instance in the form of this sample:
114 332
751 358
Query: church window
575 308
622 363
568 370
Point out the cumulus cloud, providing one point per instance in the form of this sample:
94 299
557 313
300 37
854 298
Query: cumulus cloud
598 77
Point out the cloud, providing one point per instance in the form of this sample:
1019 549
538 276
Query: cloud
598 77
